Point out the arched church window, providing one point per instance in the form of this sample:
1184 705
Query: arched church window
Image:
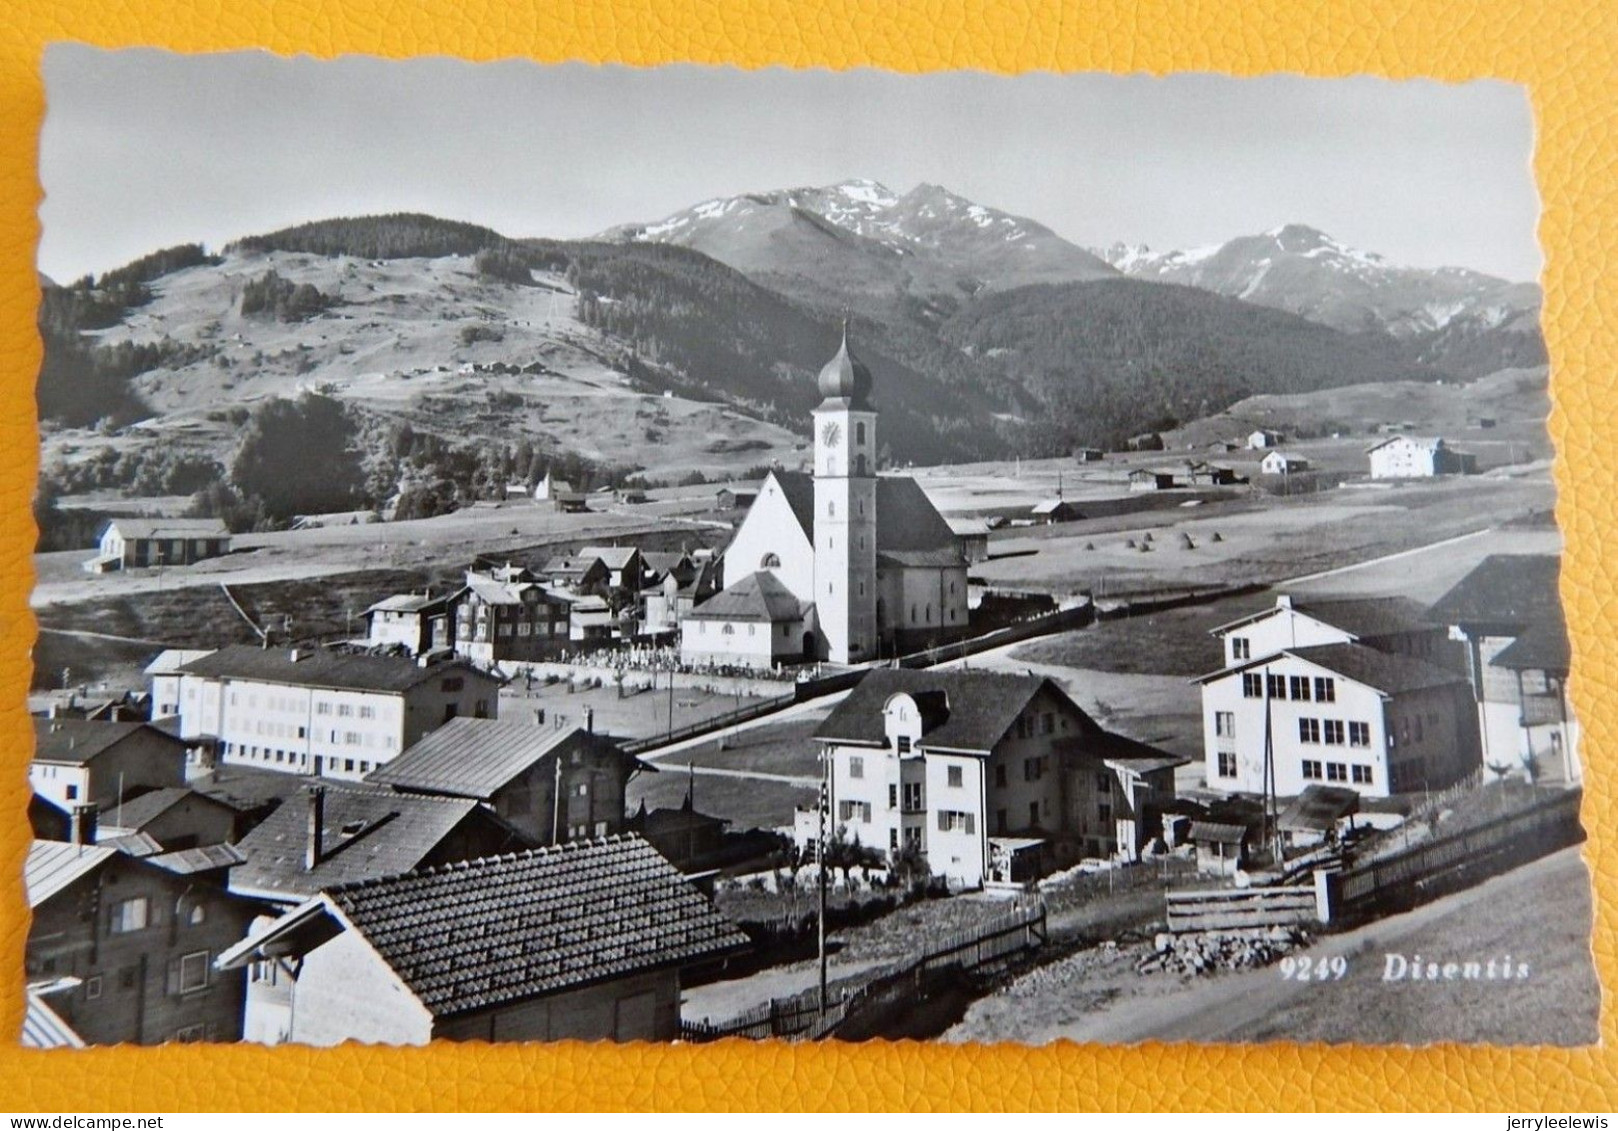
859 463
772 560
729 630
859 432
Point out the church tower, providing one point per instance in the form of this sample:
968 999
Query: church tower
845 509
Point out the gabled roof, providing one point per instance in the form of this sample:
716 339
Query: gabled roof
319 667
194 861
53 865
137 812
566 564
486 933
468 757
757 597
1387 672
1362 617
1503 589
170 527
408 603
1431 443
976 708
170 660
1051 506
368 831
968 527
613 557
1319 807
1542 647
79 741
906 519
665 561
1213 832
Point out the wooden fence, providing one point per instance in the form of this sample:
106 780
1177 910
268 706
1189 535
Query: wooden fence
1242 909
869 998
712 723
1458 860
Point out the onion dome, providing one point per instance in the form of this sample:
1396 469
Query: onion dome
845 377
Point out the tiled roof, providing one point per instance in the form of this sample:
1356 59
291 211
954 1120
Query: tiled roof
757 597
204 858
1431 443
80 740
1504 589
485 933
53 865
469 757
979 707
940 558
613 557
171 527
906 519
1542 647
1368 617
386 833
171 660
319 667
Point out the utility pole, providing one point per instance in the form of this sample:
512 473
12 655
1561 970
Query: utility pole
820 860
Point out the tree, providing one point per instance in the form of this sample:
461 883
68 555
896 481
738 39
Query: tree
299 457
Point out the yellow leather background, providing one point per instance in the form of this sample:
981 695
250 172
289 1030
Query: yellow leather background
1564 52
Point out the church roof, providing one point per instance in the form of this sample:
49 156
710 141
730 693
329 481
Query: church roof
909 529
756 597
846 378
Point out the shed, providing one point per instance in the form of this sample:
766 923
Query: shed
1221 848
1314 815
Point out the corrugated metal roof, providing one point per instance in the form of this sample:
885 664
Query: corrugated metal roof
205 858
43 1027
484 933
53 865
1319 807
318 667
475 758
1212 832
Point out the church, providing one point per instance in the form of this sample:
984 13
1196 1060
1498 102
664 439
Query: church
840 564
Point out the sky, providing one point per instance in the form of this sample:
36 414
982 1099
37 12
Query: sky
145 149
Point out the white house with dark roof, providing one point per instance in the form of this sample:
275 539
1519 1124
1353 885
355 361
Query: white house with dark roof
1388 624
583 941
1413 457
417 622
84 761
324 713
871 554
755 623
139 543
1340 714
953 764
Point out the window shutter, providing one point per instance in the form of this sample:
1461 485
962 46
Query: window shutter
174 976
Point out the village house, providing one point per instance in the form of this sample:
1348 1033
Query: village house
78 761
1047 512
1388 624
1151 479
323 713
577 573
945 763
972 536
755 623
1407 457
1342 714
508 617
1507 617
549 783
582 941
686 838
140 543
735 498
175 817
1202 474
328 834
1281 463
129 944
626 568
664 607
1088 455
874 565
1262 438
415 622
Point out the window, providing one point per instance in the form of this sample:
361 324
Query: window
1241 648
1252 685
1225 724
1227 763
1336 771
129 915
1103 783
92 987
193 974
126 978
854 810
1277 686
1359 734
1104 814
1047 723
345 710
903 743
893 797
72 793
951 821
893 840
1334 732
191 1034
1325 689
859 432
452 684
856 767
1311 770
1362 775
957 777
913 796
1308 730
1300 686
1000 775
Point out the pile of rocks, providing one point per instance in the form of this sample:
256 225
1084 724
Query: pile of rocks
1202 952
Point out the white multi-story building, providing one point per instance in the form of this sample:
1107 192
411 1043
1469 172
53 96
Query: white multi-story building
1408 457
969 769
1388 624
327 714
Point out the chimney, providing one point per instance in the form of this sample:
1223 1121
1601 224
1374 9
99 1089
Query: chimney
1283 601
82 824
294 655
317 822
589 720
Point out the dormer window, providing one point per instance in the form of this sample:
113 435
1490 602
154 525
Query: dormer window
903 743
